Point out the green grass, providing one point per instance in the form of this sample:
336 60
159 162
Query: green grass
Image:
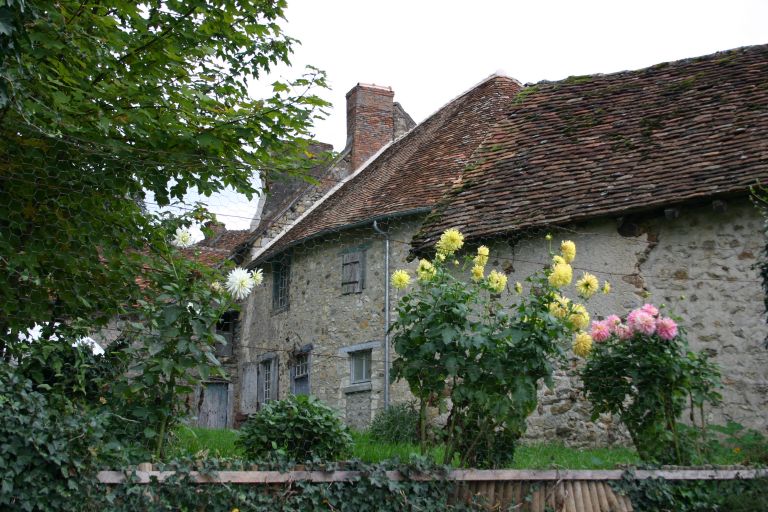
553 455
221 443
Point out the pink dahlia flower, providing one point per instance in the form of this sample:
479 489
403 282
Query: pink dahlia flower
650 309
623 332
632 316
600 331
644 323
666 328
612 321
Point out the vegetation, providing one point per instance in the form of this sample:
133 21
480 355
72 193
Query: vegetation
397 424
464 351
218 443
104 107
642 371
153 101
297 428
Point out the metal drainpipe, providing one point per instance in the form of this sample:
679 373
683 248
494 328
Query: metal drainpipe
386 312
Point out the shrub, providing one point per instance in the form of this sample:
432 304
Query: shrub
469 347
299 428
49 449
398 424
641 369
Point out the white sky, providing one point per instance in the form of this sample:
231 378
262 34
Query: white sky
430 51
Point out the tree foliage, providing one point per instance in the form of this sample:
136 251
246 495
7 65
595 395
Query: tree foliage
105 102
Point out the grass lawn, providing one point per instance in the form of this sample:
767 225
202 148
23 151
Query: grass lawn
221 443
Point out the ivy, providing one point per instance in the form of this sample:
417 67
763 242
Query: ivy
372 491
659 495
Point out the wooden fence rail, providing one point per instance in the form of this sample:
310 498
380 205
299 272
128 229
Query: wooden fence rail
524 490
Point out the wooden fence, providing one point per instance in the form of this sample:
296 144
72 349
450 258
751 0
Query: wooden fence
524 490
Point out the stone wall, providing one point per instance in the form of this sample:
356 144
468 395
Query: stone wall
319 314
699 264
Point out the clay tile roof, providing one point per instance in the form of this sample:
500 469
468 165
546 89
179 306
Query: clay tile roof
413 172
228 240
612 144
209 256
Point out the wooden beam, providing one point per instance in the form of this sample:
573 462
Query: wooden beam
465 475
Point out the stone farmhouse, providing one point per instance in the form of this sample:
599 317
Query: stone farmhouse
648 171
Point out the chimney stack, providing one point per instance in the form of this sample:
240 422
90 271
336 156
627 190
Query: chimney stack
370 121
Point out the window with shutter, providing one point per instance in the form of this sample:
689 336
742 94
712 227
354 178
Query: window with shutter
352 272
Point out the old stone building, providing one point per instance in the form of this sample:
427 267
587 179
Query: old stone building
647 171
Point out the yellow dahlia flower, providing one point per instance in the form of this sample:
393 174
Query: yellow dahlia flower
587 285
426 270
559 308
497 281
606 287
561 275
582 344
400 279
482 256
556 259
478 272
579 316
568 250
450 241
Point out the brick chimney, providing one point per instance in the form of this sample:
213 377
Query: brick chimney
370 121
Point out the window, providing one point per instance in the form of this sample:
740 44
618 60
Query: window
281 277
360 366
352 272
226 329
301 370
266 368
267 378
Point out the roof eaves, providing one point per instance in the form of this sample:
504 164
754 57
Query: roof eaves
360 223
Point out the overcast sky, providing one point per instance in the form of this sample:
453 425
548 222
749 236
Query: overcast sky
430 51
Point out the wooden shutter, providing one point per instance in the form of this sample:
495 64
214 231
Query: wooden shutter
249 388
352 272
275 374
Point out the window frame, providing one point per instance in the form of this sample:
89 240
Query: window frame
281 284
262 386
230 317
366 355
304 353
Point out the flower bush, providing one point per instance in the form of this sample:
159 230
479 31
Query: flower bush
471 349
640 368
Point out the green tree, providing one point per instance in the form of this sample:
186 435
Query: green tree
103 101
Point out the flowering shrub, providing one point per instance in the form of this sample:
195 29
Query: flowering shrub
472 349
171 338
640 368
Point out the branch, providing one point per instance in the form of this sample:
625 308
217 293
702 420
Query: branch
162 35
